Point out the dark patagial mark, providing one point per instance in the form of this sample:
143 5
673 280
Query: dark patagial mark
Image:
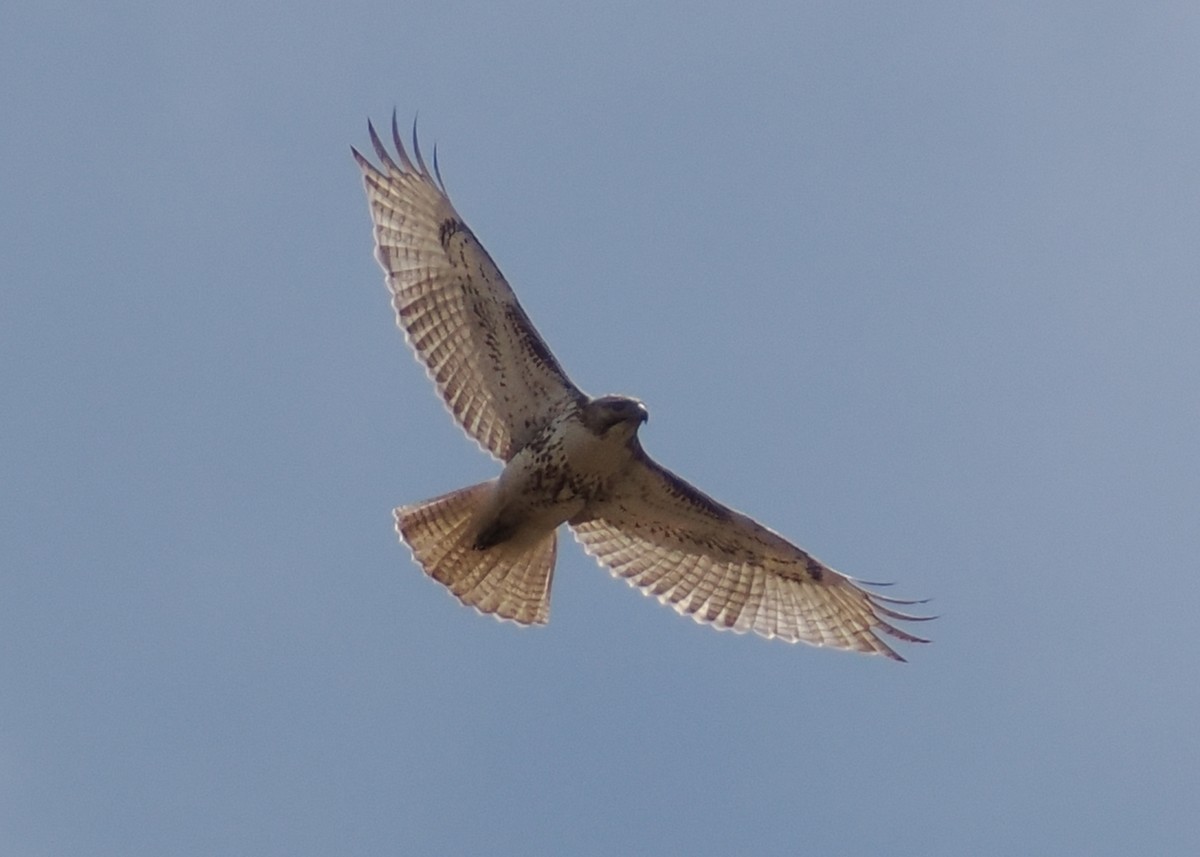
690 494
529 337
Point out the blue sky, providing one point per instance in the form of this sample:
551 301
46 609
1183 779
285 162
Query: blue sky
917 285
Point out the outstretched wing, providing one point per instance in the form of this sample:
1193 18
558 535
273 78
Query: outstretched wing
459 315
722 568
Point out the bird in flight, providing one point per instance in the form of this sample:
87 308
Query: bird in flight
570 458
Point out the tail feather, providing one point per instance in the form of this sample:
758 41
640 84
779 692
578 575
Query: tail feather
509 580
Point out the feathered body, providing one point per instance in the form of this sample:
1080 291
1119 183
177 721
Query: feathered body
569 458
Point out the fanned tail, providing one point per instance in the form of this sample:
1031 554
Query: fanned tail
509 580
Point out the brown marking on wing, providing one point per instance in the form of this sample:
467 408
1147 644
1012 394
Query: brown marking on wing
720 567
460 316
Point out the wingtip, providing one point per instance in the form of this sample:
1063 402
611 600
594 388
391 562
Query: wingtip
363 164
402 162
399 144
380 149
437 171
416 146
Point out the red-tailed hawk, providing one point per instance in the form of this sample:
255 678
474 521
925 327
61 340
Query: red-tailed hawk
572 459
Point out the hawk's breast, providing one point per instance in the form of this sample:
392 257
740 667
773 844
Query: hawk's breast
563 467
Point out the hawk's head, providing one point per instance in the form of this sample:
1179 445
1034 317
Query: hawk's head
614 413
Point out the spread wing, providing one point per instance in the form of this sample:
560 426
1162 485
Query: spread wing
459 315
722 568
